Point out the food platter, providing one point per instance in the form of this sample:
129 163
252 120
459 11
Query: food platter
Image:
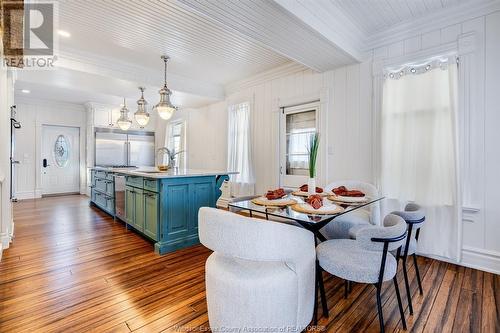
348 200
328 209
306 194
263 201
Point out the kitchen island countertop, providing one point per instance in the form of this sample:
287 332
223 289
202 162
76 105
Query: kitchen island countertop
152 172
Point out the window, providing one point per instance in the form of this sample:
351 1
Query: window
418 150
297 125
299 129
239 150
61 151
176 142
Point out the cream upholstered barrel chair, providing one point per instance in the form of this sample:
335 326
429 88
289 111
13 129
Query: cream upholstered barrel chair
367 259
261 275
414 217
369 215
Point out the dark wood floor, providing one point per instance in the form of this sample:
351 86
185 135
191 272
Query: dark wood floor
72 268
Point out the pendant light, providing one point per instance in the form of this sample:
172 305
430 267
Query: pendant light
141 115
164 107
123 122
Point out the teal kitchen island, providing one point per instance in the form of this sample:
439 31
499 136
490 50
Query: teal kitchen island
163 206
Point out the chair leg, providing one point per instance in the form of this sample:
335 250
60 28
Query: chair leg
379 309
400 304
407 286
418 274
319 271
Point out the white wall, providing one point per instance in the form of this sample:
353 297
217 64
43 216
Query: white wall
478 44
351 131
345 95
33 114
491 230
6 100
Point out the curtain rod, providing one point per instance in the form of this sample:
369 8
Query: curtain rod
298 104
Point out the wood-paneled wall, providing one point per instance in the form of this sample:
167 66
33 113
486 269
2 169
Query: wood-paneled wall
347 96
32 114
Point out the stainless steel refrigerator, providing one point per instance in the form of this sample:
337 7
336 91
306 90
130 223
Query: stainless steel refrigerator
116 148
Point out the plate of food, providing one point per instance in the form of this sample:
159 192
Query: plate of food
304 191
276 197
343 195
314 204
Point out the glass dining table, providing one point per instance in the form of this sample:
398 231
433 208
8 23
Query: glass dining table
311 222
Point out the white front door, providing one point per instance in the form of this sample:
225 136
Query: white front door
60 159
297 125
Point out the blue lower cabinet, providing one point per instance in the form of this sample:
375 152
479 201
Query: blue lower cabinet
103 201
139 210
164 210
103 190
180 200
151 204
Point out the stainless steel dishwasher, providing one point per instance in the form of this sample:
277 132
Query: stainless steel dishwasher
120 197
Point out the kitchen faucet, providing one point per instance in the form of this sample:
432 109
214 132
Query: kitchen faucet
171 154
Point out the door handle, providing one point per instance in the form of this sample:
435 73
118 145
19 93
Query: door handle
45 163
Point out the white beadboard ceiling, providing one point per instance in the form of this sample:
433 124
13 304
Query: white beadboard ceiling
269 24
373 16
115 45
139 32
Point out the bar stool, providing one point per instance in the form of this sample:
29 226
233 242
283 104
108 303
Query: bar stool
414 217
367 259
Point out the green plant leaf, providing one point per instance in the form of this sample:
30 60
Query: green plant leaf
313 154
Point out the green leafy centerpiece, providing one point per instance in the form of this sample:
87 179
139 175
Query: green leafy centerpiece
313 155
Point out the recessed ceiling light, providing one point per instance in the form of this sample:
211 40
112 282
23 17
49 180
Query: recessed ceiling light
25 91
63 33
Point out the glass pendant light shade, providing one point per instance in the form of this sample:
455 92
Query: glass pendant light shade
165 108
123 122
141 115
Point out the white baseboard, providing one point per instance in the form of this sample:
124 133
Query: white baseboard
485 260
1 251
28 195
5 240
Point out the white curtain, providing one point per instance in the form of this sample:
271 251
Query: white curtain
419 159
240 150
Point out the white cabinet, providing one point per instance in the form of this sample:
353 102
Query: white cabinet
107 116
115 114
102 117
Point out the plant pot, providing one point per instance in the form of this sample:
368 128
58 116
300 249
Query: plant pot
311 186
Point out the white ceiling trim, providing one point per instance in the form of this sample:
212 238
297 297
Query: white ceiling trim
275 73
67 106
333 25
268 24
428 23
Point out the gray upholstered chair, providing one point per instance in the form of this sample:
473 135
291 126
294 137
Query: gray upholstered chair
367 259
261 275
414 217
369 215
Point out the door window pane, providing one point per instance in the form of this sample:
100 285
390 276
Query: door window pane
61 151
299 129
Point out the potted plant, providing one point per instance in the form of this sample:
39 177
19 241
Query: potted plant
313 155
